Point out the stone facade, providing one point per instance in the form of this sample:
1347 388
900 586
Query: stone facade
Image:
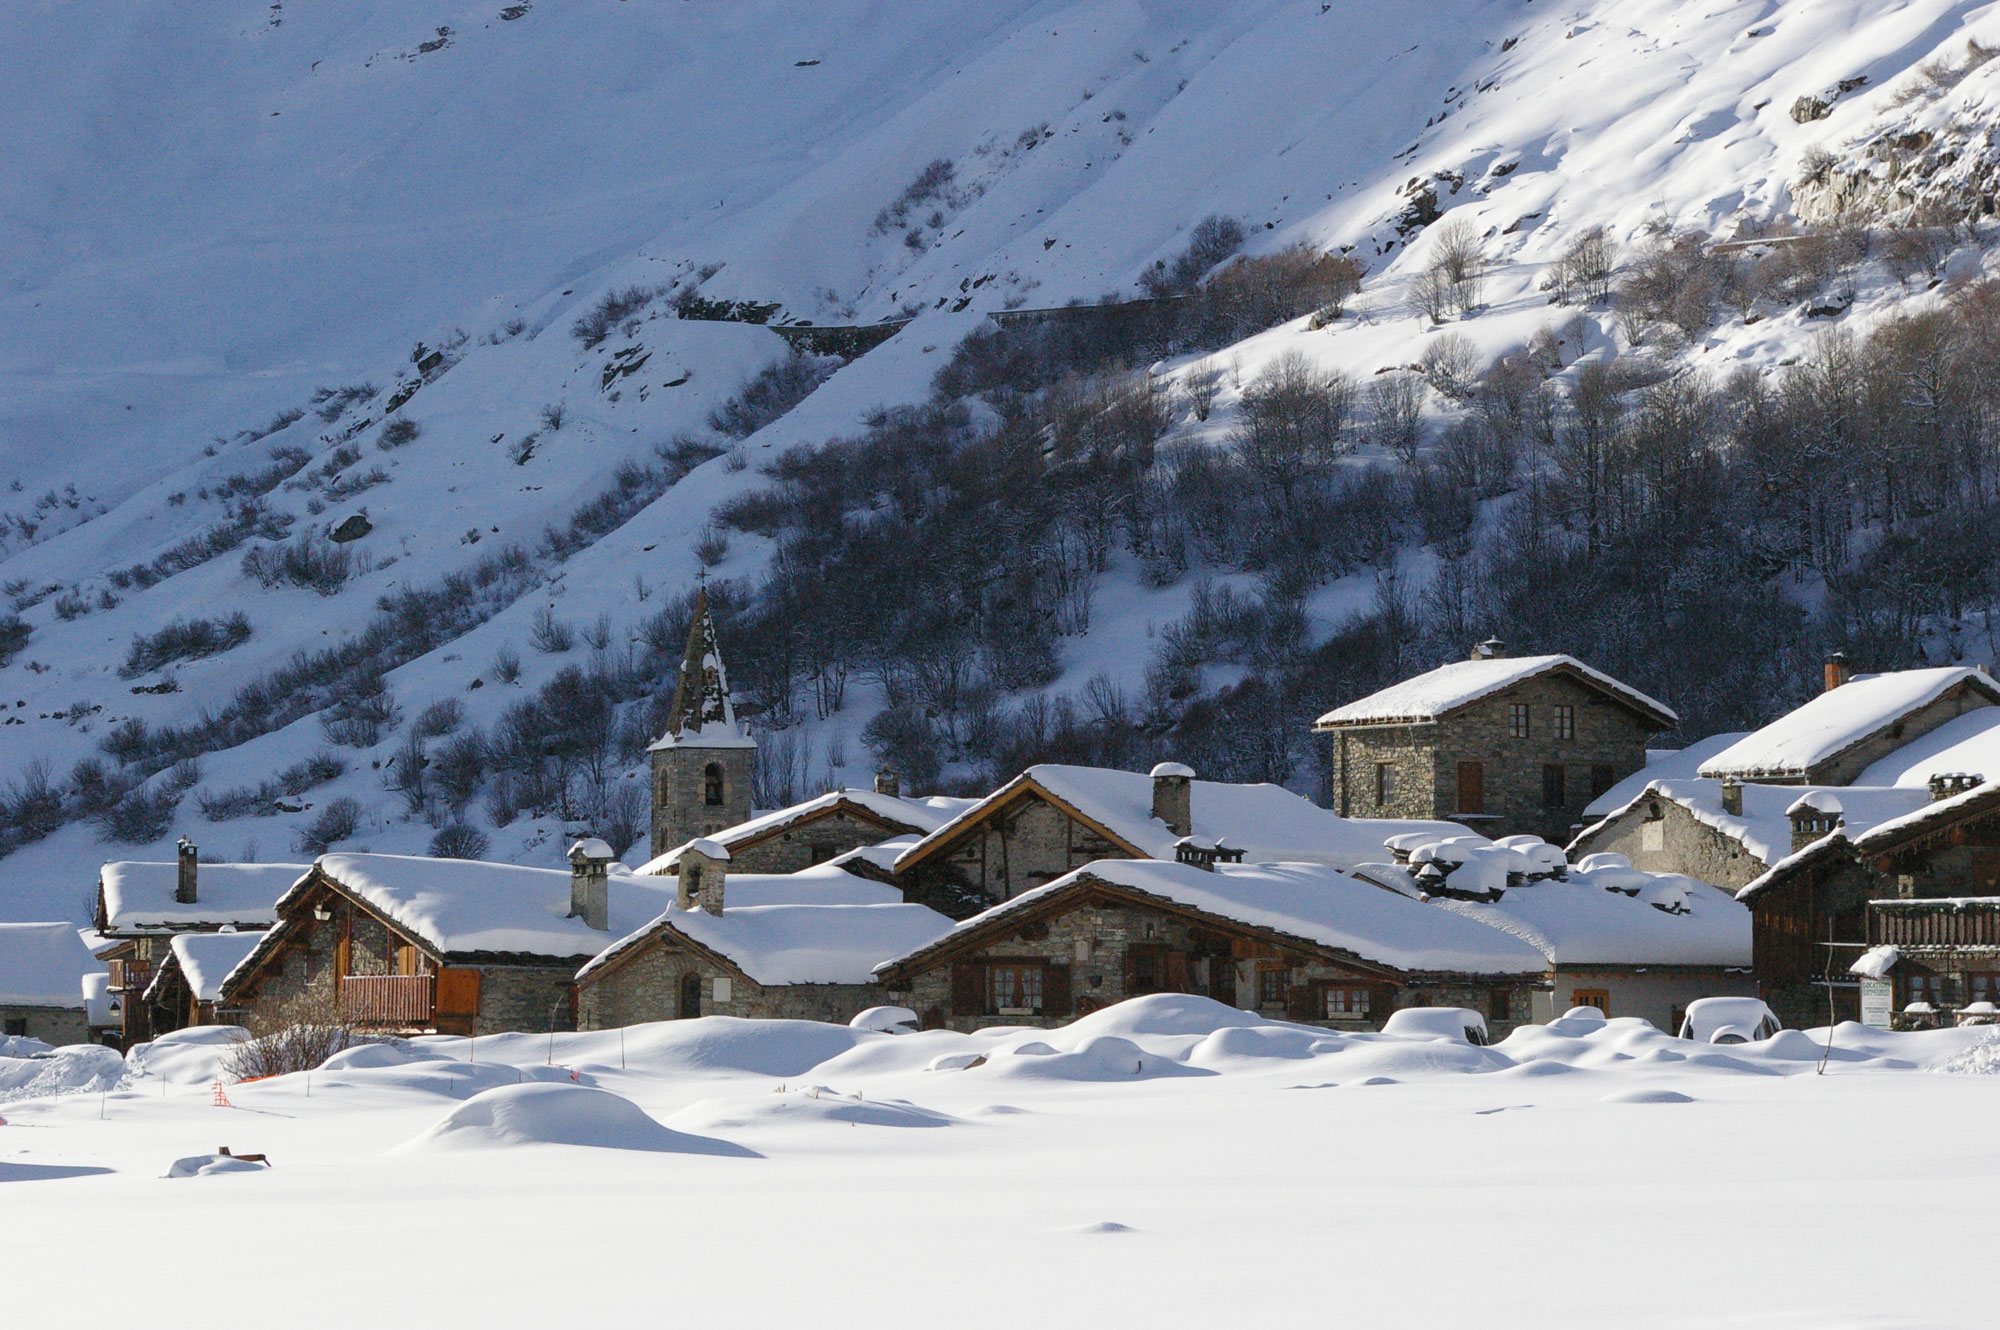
1537 784
665 979
1845 767
1022 845
51 1025
698 792
1662 836
1097 949
811 840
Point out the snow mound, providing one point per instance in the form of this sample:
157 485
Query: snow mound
525 1115
22 1046
1981 1059
1105 1226
887 1020
1249 1043
1648 1097
73 1069
194 1056
208 1166
1792 1045
1100 1058
811 1106
1163 1014
707 1047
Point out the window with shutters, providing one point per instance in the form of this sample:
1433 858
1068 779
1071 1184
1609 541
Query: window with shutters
1982 987
1271 988
1346 1002
1385 783
1015 989
1517 719
1552 785
1592 997
1565 722
1923 988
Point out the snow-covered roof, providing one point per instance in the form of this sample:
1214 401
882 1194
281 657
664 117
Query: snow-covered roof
819 926
592 848
1764 827
466 906
1449 687
1876 962
207 958
139 897
1311 902
1583 921
1831 723
918 815
1268 822
1661 764
1969 743
43 965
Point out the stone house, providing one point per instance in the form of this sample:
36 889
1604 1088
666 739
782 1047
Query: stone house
452 946
1052 819
43 971
822 829
141 907
1302 942
799 946
1505 746
1918 882
703 765
188 982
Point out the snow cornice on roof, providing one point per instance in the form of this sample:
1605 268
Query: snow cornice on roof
1450 688
1836 722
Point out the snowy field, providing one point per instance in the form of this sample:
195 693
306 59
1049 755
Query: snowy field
1165 1158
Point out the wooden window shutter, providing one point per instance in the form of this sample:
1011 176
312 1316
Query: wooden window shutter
1177 972
968 990
1056 999
457 992
1305 1002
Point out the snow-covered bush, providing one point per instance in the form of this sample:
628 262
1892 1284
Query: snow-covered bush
185 639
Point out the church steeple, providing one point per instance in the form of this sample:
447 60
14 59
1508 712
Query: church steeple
703 763
703 714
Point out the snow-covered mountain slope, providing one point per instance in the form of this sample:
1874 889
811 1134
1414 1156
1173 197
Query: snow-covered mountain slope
213 211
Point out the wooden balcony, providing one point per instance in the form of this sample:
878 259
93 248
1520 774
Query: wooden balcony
130 976
393 1000
1939 923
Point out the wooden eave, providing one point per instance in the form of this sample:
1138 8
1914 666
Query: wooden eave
980 815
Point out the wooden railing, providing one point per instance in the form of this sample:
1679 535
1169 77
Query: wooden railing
1944 923
130 976
388 999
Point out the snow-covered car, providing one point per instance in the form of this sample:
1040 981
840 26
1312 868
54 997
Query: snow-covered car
1728 1020
887 1020
1459 1024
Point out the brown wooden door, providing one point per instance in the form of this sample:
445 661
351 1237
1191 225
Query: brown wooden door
1471 787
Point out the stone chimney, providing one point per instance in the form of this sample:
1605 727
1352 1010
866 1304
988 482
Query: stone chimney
887 782
703 868
1173 796
1732 796
184 882
1950 784
1491 649
1838 671
590 884
1814 816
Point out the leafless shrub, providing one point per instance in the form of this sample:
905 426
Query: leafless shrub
335 823
1450 364
459 840
611 310
1213 239
550 635
1200 386
398 432
297 1034
1397 401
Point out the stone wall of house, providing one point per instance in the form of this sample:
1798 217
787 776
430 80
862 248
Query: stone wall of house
533 999
1657 993
1094 945
811 843
1847 767
51 1025
1677 842
1607 736
1406 748
647 987
1028 844
681 810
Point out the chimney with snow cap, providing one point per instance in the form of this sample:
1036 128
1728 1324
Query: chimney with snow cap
1732 796
1951 784
1838 671
1814 816
887 782
1491 649
187 867
590 884
1173 796
702 865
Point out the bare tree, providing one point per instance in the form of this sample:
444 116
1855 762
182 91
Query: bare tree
1397 399
1200 385
298 1034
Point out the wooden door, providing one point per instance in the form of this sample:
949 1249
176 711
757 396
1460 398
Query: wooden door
1471 787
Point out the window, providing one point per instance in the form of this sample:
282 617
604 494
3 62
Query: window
1983 988
1270 988
1923 988
1517 719
1014 989
1346 1002
1499 1004
690 1004
1602 778
1471 787
1565 722
1592 997
711 784
1552 785
1385 784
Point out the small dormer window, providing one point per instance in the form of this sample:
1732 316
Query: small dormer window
711 785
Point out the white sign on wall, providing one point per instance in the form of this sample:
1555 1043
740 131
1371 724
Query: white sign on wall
1878 1000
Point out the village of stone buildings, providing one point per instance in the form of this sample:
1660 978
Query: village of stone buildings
1501 843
